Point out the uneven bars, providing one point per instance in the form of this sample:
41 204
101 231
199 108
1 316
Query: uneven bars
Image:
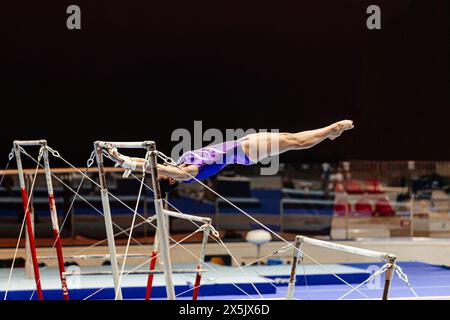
52 203
150 146
348 249
125 145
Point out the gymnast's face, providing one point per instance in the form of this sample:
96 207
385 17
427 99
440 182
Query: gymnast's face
166 178
167 184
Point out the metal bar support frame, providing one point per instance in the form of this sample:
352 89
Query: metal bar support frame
383 256
18 144
161 245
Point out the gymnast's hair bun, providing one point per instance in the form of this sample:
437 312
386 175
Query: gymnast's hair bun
166 186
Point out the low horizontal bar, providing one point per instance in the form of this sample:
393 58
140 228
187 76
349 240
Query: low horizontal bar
151 219
348 249
187 216
105 273
30 142
127 145
94 256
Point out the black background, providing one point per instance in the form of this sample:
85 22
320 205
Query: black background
140 69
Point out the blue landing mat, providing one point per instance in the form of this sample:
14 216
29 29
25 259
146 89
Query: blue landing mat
222 281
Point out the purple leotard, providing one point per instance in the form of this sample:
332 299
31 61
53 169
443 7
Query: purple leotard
212 159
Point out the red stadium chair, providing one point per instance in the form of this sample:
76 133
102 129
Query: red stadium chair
373 186
353 187
363 207
339 208
383 209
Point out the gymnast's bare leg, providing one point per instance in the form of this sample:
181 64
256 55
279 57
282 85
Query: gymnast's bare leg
259 146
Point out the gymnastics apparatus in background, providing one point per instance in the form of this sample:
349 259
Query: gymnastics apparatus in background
389 267
161 218
161 244
43 153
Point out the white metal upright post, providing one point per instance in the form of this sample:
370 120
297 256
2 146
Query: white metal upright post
346 217
108 221
163 236
411 216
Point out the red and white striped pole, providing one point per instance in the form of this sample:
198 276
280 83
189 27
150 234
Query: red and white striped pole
29 225
154 256
153 259
55 225
201 261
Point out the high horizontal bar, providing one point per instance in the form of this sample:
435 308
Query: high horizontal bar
348 249
187 216
94 256
102 273
60 170
30 142
126 145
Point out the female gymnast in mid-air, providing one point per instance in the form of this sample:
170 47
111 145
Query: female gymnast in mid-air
251 149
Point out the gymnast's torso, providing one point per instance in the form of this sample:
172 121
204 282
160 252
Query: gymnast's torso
212 159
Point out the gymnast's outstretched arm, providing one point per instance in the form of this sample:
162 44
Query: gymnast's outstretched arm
181 173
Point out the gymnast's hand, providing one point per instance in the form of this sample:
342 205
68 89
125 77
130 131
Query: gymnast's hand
339 127
113 153
121 160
